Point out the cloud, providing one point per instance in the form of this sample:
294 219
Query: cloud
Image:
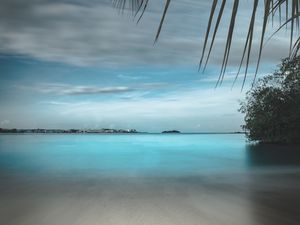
92 33
190 110
181 104
4 122
66 89
130 77
150 107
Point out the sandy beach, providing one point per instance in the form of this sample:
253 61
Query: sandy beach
247 199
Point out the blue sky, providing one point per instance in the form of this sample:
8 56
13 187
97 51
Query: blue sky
81 64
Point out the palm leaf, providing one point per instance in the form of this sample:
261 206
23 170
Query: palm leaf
248 45
228 42
272 9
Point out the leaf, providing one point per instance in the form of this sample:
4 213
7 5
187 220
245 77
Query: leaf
271 8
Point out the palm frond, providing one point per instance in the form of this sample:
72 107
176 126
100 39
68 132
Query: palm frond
228 42
248 45
271 9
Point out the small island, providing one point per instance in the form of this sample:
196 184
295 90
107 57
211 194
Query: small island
171 132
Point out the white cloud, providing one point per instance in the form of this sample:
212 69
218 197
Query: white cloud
193 110
4 122
93 33
67 89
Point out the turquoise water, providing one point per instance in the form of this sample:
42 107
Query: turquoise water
125 155
136 155
147 179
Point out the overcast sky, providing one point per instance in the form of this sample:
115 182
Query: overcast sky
82 64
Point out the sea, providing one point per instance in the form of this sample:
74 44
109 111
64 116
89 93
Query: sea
208 179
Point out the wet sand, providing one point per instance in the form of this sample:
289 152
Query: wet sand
258 198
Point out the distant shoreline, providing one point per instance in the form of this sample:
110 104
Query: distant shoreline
100 131
138 133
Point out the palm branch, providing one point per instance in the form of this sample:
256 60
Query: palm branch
286 10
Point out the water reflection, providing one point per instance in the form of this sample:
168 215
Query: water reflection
260 155
274 182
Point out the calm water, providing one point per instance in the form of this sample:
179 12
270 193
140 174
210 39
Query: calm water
136 155
147 179
124 155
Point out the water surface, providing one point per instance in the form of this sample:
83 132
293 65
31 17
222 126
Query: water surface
147 179
122 155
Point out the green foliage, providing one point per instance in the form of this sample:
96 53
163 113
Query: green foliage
272 107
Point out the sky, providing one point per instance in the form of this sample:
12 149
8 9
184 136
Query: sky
84 64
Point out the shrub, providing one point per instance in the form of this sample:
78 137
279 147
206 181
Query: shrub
272 106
